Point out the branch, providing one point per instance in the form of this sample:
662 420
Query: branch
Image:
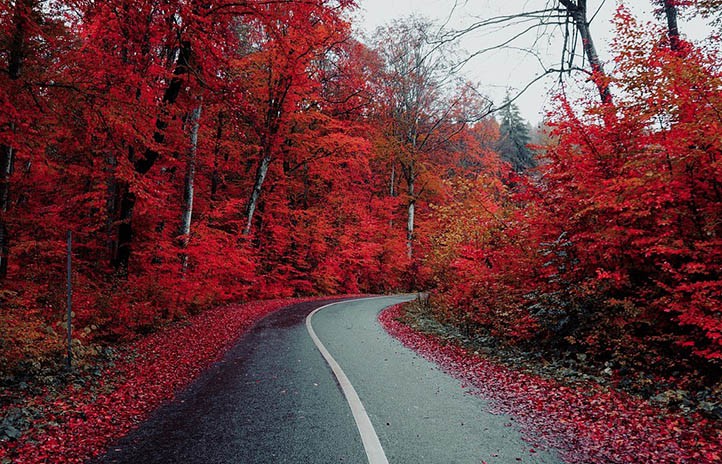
503 19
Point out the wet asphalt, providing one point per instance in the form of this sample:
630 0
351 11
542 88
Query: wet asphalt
273 399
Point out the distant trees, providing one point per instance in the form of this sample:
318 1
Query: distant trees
413 81
422 105
514 138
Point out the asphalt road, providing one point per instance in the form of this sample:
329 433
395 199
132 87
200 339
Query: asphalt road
274 399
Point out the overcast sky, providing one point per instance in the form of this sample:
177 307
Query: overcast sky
499 69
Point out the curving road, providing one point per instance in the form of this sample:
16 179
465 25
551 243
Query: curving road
275 399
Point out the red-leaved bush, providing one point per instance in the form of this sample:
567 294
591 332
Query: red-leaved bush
613 247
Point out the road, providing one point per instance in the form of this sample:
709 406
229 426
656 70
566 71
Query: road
274 399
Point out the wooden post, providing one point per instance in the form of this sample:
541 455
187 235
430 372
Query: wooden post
70 301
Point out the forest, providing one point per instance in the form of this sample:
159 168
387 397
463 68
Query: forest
210 152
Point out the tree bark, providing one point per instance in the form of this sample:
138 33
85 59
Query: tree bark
188 190
410 218
392 184
126 199
392 189
124 203
272 123
410 229
256 193
578 12
143 165
6 168
21 16
111 207
215 176
670 11
16 58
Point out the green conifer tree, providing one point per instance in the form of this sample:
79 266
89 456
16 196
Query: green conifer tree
514 138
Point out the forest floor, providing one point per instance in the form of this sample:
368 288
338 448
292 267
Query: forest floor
590 418
72 416
76 415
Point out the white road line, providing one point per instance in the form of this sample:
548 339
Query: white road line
372 445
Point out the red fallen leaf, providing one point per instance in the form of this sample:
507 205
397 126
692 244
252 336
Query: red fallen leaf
613 427
147 381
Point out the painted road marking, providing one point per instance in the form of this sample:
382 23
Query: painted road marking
372 445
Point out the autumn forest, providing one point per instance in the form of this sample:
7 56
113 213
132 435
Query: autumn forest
202 153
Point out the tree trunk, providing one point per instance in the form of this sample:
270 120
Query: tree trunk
143 165
7 159
392 184
256 193
599 75
21 16
124 203
111 206
410 221
6 169
215 176
670 11
392 189
578 12
126 199
188 191
16 57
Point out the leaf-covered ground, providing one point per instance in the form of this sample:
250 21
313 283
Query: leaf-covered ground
81 421
589 423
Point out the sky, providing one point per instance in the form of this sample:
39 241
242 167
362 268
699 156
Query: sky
496 71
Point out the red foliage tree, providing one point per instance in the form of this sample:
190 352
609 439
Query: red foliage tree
615 246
